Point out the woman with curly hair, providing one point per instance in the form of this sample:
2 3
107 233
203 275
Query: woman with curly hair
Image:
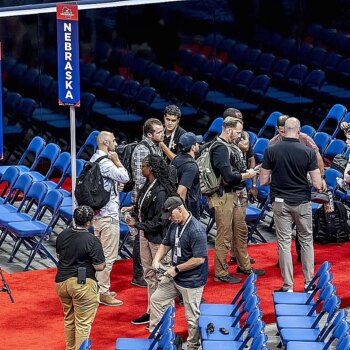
146 217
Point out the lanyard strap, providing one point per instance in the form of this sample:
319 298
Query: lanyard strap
177 250
144 196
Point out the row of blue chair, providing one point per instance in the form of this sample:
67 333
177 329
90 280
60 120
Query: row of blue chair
214 317
162 337
297 321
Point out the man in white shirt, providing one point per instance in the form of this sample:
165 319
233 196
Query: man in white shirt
106 220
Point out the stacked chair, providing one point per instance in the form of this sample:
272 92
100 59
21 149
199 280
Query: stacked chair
221 326
301 327
162 337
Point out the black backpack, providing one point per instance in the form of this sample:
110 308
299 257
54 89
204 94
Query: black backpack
339 163
331 227
90 189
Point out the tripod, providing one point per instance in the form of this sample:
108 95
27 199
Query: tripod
5 288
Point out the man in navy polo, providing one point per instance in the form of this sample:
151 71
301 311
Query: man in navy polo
187 240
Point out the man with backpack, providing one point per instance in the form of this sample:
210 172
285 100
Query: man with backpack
106 219
229 167
153 134
188 173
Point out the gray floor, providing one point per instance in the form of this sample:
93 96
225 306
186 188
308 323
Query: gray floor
19 263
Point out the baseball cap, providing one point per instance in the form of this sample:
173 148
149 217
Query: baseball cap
189 139
170 204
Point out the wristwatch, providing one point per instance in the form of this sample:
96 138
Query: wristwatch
176 269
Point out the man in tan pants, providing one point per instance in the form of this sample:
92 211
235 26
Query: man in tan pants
187 240
106 220
228 164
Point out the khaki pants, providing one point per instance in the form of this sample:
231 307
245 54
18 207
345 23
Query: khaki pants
285 215
243 201
107 231
148 251
80 303
230 223
164 297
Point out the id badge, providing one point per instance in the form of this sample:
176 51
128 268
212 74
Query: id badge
178 252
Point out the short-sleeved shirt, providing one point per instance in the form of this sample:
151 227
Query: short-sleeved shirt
303 138
188 175
77 248
193 243
289 162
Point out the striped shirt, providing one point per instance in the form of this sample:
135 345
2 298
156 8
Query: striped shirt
112 175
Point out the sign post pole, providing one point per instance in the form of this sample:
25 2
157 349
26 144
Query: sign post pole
68 72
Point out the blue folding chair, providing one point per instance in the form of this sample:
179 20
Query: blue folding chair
215 129
85 345
331 176
334 148
34 196
21 187
304 309
336 114
254 332
313 334
259 149
164 325
308 130
321 277
35 147
310 320
271 122
250 304
340 332
34 231
49 154
228 309
322 140
235 333
9 179
60 166
252 137
89 142
123 251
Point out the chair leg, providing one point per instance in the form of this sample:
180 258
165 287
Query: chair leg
3 235
15 249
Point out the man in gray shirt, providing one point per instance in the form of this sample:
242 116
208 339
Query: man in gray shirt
106 220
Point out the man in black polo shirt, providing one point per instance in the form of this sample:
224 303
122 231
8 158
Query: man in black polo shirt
172 131
288 163
188 173
77 248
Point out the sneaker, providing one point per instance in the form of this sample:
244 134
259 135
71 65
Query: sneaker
227 279
233 260
107 299
112 294
282 290
140 282
248 272
142 319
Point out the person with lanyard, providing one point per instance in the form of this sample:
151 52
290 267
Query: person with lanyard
173 131
187 240
146 217
80 255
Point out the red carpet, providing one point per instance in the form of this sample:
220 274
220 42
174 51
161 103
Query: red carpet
35 321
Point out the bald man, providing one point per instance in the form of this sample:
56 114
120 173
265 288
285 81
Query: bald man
285 167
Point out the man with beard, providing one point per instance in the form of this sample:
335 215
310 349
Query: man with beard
188 172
